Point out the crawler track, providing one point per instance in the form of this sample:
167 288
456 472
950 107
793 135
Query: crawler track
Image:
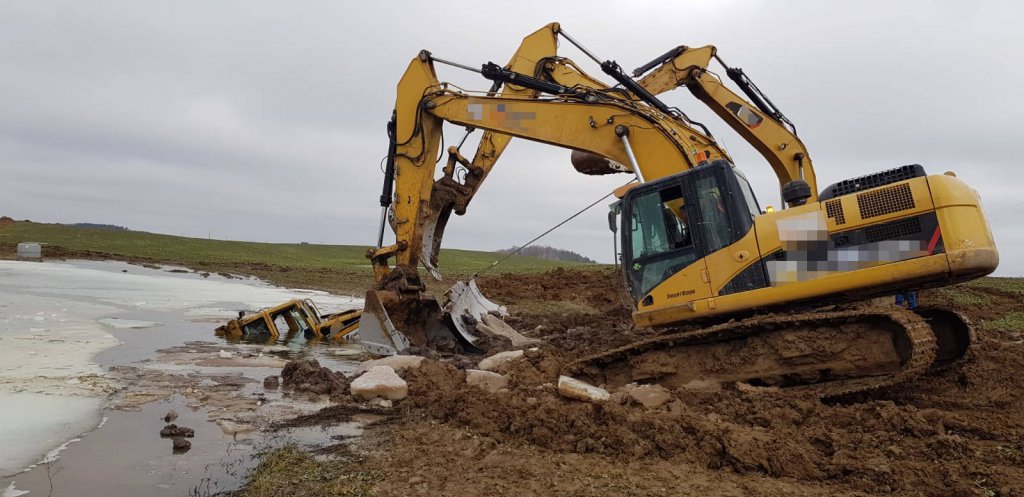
828 353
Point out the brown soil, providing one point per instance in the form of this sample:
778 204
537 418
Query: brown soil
959 431
307 375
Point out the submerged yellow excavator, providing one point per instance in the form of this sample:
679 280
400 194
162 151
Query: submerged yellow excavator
738 291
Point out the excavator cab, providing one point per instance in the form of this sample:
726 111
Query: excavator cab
671 224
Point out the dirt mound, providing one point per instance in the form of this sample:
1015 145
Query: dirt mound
896 444
952 432
307 375
958 431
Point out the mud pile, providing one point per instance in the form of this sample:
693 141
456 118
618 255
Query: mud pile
959 431
307 375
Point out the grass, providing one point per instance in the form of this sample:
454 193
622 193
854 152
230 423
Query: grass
1013 321
960 297
291 472
1013 285
338 268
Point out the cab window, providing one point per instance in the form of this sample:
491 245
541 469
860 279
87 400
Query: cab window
661 239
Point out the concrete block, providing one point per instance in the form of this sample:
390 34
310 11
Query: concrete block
396 362
500 361
487 380
581 390
380 381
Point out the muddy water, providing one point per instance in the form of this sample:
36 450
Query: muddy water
77 336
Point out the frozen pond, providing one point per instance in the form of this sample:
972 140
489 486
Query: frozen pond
64 324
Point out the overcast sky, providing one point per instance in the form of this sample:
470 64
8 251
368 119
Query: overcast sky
264 121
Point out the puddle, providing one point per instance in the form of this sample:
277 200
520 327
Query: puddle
110 463
73 334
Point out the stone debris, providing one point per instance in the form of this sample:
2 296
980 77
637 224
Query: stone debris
487 380
492 326
380 381
397 362
703 385
650 396
226 355
756 390
170 416
379 402
308 376
271 382
581 390
500 361
175 431
180 445
230 427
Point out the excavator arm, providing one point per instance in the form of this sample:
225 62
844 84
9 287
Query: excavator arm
758 121
449 193
596 121
579 119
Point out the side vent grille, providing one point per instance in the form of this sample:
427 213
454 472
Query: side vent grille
893 230
834 210
887 200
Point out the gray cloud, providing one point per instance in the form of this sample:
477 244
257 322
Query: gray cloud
223 118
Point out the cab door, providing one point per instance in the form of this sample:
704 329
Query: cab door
661 245
727 237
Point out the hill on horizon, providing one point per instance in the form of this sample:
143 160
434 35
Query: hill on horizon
550 253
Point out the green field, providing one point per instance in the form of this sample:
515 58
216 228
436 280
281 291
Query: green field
338 268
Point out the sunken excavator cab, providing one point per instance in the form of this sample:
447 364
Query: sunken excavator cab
294 318
741 293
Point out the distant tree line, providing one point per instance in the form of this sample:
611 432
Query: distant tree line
96 226
545 252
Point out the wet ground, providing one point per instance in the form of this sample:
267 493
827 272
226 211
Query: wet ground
94 354
954 431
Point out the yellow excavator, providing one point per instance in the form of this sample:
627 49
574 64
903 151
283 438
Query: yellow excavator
739 292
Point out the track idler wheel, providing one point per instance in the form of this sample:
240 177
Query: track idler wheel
953 334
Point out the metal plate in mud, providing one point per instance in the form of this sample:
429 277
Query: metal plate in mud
466 306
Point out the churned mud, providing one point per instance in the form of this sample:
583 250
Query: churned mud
959 431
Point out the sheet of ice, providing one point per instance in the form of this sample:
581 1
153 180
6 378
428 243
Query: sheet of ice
127 324
11 491
56 316
52 421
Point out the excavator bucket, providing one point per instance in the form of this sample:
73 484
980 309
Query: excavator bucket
392 323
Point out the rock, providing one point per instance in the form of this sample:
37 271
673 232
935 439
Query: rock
492 326
755 390
380 381
170 416
650 396
271 382
396 362
581 390
703 385
226 355
487 380
379 402
308 376
180 445
176 431
499 362
233 427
